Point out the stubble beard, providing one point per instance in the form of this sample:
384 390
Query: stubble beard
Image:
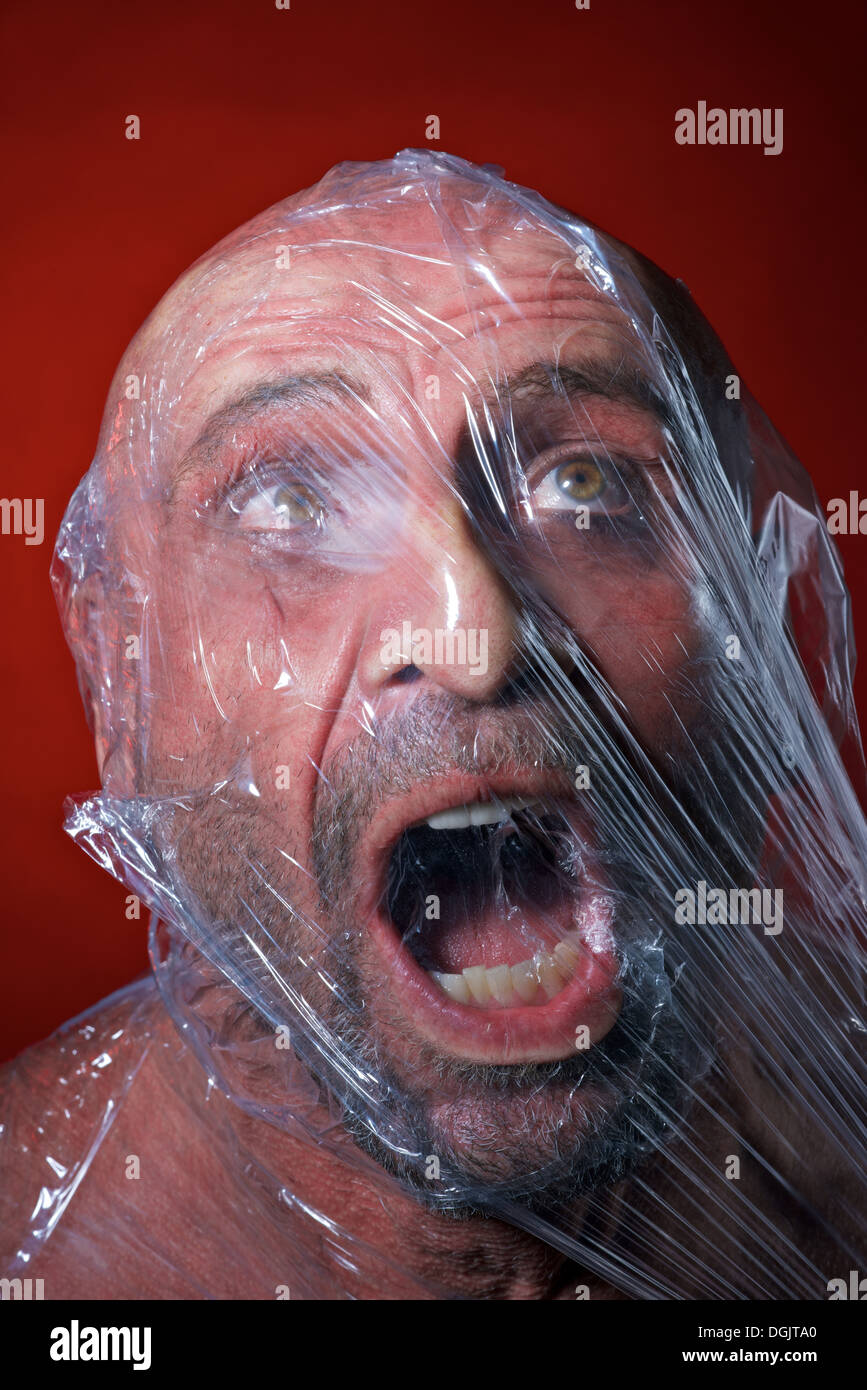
541 1135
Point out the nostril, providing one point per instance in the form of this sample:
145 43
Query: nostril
407 675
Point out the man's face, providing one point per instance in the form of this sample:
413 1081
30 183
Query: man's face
381 449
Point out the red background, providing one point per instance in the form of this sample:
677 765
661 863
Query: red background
241 104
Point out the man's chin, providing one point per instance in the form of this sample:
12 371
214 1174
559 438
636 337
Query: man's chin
470 1138
541 1144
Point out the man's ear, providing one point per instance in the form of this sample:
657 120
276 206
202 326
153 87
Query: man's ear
103 628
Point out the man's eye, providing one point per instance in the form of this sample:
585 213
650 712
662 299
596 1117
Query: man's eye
281 507
576 481
581 479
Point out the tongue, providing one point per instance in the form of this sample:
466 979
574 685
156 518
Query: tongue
489 933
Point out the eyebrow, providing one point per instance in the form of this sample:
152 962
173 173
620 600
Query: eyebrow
538 380
618 382
309 388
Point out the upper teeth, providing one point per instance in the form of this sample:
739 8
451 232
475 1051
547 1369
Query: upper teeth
479 813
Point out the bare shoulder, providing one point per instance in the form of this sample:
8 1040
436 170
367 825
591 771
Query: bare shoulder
59 1104
72 1074
116 1178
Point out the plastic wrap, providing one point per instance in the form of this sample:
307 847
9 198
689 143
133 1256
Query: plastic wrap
442 602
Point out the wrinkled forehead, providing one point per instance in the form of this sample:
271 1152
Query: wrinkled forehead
389 292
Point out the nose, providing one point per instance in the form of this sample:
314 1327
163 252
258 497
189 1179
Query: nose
443 612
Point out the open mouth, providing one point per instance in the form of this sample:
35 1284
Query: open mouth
483 896
490 918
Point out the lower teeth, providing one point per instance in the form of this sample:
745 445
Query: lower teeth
531 982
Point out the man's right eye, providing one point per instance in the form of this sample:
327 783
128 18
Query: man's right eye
280 507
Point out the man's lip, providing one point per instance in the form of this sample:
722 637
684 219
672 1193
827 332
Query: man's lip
533 1033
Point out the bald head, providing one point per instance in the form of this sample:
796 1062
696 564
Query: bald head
424 250
394 300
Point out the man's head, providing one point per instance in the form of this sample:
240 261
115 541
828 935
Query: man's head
403 589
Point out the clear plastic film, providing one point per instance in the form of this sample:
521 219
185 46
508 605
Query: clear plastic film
470 672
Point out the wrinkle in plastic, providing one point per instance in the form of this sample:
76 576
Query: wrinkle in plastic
470 668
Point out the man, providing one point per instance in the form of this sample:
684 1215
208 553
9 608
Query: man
468 667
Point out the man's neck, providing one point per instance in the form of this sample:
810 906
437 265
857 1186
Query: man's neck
314 1191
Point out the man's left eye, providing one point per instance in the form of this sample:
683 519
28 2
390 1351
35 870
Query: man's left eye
282 507
578 480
